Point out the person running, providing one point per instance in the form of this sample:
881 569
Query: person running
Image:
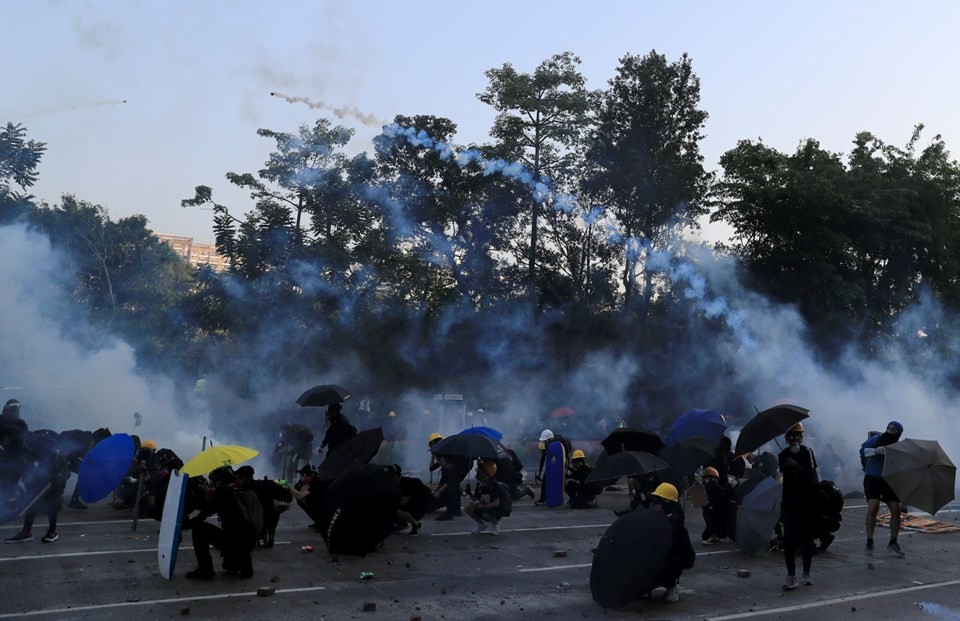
798 507
876 489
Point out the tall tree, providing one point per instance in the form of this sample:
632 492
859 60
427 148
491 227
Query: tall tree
540 118
19 159
645 158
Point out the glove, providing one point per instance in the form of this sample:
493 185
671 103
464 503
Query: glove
880 451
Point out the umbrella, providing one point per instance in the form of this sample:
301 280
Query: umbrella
632 439
324 394
359 449
469 445
701 423
687 455
626 464
104 466
216 456
920 473
767 425
359 510
630 555
491 433
757 515
562 412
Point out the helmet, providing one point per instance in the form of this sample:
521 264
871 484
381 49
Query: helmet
578 454
434 438
710 471
223 474
392 414
150 444
12 407
490 466
667 492
798 428
895 424
545 435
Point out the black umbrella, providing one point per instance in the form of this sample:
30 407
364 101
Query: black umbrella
609 468
359 449
359 510
767 425
687 455
632 439
324 394
757 515
470 445
631 554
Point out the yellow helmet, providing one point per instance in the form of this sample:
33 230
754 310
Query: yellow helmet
667 492
150 444
434 438
578 454
798 428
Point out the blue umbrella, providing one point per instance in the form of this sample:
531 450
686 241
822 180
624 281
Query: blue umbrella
491 433
104 467
697 423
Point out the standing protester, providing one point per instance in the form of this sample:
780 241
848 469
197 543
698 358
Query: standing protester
876 489
798 509
43 475
241 520
715 511
666 500
339 428
453 470
547 438
492 500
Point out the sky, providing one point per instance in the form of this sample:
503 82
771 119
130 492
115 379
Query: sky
139 102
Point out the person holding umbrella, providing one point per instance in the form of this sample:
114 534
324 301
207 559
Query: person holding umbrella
876 489
339 428
798 465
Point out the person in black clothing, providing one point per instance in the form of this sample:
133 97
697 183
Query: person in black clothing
582 494
241 519
715 511
309 492
414 500
42 473
294 445
510 473
490 500
453 470
339 428
798 507
666 500
722 459
274 499
74 444
547 438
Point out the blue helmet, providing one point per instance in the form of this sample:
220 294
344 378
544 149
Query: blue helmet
897 425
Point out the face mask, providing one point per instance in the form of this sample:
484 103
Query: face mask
794 448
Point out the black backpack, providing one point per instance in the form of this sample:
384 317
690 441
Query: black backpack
249 509
506 502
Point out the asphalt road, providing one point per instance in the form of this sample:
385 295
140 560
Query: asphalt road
538 568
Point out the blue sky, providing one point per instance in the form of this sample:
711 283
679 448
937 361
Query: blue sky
197 77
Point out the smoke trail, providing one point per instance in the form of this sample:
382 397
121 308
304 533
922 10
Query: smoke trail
940 612
341 112
70 108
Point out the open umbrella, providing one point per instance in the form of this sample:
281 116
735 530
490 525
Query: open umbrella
490 432
920 473
632 439
359 510
470 445
104 466
769 424
216 456
700 423
687 455
324 394
562 412
609 468
359 449
757 515
630 555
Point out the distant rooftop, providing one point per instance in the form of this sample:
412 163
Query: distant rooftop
194 252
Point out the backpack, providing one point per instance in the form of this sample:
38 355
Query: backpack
506 502
249 509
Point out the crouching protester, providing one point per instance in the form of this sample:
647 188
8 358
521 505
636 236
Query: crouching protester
665 499
492 500
241 520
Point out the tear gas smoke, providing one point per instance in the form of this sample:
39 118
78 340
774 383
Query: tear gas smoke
341 112
69 108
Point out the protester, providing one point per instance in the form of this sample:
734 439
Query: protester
453 470
339 428
43 476
715 511
547 438
74 444
581 493
798 507
876 489
491 500
241 520
721 461
510 473
666 500
274 498
414 500
294 445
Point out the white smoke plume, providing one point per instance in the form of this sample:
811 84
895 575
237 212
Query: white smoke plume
341 112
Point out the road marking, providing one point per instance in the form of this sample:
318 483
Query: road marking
150 602
95 553
837 600
581 565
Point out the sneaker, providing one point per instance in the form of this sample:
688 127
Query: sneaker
495 528
21 537
894 548
672 595
50 537
791 583
479 528
540 502
415 529
201 574
806 579
707 542
443 517
869 549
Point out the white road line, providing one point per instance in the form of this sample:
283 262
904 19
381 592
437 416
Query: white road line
581 565
837 600
95 553
150 602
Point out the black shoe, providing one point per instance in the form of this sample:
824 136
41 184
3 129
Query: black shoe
76 504
443 517
540 502
201 574
271 538
415 529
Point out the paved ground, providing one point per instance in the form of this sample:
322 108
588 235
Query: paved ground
101 570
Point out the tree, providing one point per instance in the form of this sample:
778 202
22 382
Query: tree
19 159
541 117
644 158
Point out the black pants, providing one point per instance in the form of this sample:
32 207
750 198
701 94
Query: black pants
581 494
797 530
235 547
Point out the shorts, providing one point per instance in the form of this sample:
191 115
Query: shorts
489 515
876 488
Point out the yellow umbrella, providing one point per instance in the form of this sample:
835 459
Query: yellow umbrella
216 456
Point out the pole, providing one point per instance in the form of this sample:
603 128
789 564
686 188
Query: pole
203 446
136 503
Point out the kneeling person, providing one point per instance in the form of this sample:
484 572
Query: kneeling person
492 502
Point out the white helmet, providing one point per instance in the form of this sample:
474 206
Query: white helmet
545 435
